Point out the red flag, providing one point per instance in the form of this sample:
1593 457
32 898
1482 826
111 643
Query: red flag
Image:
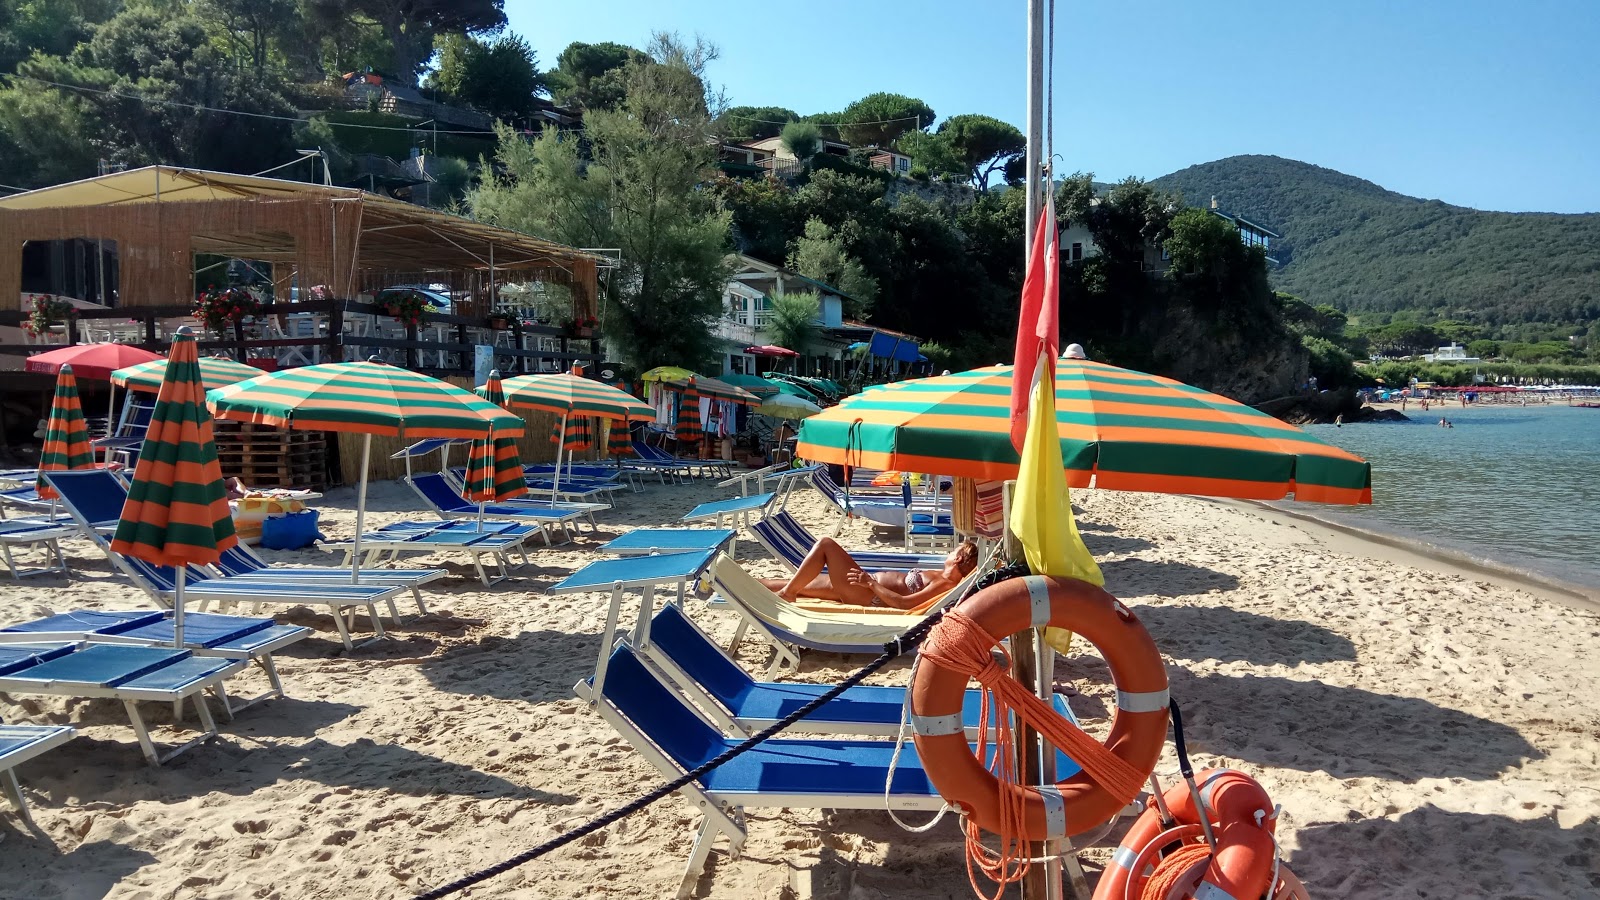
1039 325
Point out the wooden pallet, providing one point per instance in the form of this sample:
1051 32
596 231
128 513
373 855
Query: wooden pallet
264 456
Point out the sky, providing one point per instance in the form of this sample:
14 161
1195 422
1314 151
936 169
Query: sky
1493 105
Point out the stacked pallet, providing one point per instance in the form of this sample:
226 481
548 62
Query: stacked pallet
263 456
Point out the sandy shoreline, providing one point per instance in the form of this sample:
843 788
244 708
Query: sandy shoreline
1430 731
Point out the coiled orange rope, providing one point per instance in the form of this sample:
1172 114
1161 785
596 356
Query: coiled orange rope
1172 869
962 645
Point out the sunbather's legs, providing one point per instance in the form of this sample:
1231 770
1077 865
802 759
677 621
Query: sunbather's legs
810 581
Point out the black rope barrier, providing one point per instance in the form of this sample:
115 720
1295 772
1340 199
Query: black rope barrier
908 641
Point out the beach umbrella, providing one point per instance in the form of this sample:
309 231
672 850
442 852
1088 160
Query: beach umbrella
92 361
215 372
569 395
619 439
772 351
795 390
177 510
787 406
667 373
1120 429
718 389
688 430
364 398
494 468
66 436
761 388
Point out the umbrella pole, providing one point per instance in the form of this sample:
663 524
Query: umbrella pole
177 610
361 509
555 483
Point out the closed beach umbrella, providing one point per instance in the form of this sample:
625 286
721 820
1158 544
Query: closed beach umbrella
788 406
215 372
177 509
1120 429
93 361
688 429
619 439
494 468
365 398
569 395
66 436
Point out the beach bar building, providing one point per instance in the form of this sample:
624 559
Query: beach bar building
325 255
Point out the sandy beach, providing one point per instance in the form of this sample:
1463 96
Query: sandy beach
1429 731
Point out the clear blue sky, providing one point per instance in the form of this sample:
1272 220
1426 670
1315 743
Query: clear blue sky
1488 104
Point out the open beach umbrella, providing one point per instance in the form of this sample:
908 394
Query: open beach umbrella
667 373
494 468
93 361
177 509
66 436
1120 429
718 389
215 372
570 395
761 388
365 398
787 406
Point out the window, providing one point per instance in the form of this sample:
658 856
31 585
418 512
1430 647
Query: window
903 164
1077 251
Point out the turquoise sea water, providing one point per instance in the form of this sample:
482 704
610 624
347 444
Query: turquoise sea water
1517 486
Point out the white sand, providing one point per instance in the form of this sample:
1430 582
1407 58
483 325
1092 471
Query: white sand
1429 734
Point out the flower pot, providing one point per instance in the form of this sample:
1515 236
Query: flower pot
499 323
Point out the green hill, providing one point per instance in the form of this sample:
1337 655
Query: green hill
1352 244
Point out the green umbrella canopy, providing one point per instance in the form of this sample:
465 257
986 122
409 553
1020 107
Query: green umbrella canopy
755 384
66 436
1123 429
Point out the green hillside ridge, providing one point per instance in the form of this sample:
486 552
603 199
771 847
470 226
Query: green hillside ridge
1376 253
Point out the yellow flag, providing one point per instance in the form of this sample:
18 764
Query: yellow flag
1041 509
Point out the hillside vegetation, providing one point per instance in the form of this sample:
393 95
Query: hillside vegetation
1375 253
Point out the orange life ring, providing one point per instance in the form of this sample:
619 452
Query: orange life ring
1243 820
1138 730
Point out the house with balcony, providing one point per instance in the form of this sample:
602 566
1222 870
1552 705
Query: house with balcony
896 164
1252 234
1077 241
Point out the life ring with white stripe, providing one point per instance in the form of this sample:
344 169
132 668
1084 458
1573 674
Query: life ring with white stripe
1173 858
1138 730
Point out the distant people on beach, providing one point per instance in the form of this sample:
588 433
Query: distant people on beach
1445 423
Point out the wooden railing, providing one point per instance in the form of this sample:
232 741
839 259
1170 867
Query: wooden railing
243 340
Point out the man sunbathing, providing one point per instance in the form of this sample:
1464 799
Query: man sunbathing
829 573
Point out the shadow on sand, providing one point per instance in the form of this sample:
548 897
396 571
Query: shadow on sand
87 872
1145 578
534 666
1233 635
1484 856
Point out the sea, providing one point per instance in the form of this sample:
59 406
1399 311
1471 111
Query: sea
1515 487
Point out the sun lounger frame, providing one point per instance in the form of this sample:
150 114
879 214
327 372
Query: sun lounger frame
40 739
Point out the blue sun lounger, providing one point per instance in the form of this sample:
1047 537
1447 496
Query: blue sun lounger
737 511
20 743
239 561
442 497
570 490
495 538
788 540
655 456
120 672
782 772
738 704
647 541
207 634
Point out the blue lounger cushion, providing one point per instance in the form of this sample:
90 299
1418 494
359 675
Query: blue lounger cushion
88 621
207 631
95 494
107 665
19 657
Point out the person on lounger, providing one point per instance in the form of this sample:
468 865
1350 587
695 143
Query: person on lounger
829 573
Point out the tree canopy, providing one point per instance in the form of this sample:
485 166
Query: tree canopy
802 139
752 123
499 77
983 145
593 76
410 27
876 120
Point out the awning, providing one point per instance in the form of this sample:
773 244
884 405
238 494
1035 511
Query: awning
898 349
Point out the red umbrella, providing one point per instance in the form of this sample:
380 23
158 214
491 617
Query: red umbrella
96 361
769 350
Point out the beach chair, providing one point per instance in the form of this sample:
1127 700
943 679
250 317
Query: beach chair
36 532
884 510
240 561
716 468
788 540
593 471
496 539
203 587
206 634
781 772
813 625
570 490
131 674
741 705
436 490
649 541
20 743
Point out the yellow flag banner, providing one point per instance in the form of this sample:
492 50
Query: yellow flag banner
1041 510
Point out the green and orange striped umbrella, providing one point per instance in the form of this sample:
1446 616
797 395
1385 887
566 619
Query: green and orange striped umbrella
177 509
66 436
571 395
1120 429
215 372
573 435
688 430
619 439
364 398
494 468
